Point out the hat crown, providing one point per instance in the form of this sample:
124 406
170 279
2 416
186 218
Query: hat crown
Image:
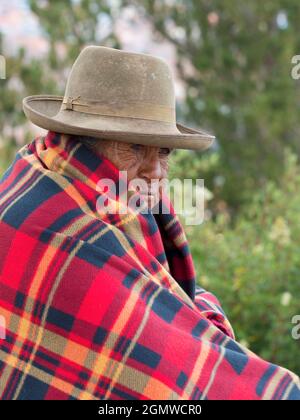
112 76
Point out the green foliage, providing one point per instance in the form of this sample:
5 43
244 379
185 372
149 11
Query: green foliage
235 60
254 266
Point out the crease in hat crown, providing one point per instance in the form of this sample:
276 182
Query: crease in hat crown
117 94
120 83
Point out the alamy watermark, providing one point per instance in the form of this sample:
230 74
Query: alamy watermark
2 327
295 73
296 328
188 197
2 67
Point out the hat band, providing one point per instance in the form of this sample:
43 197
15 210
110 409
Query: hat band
140 110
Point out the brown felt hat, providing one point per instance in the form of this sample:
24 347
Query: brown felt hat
119 95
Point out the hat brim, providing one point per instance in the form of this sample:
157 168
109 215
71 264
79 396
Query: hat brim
45 111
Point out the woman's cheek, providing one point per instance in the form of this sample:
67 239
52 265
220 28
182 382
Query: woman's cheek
164 164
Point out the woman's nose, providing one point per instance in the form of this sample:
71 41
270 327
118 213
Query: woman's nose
151 169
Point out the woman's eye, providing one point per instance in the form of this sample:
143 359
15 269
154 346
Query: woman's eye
165 151
136 147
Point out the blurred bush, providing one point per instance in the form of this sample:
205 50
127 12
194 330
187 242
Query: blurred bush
253 266
234 58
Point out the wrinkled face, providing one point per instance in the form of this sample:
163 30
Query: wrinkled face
149 163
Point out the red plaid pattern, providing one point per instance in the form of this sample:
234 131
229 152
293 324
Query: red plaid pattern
107 307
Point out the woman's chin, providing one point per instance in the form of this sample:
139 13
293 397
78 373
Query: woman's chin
150 199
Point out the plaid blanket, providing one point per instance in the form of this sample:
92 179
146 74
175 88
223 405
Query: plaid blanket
106 306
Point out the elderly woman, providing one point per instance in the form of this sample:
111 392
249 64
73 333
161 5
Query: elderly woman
104 305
